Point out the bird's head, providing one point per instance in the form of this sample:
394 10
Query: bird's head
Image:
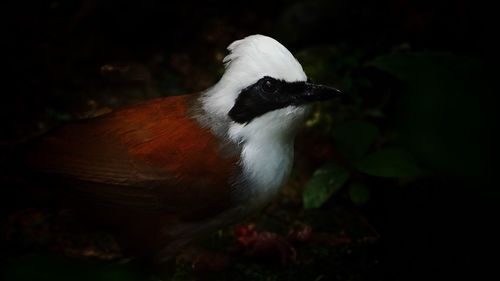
264 90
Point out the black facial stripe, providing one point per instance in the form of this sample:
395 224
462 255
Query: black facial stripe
255 101
269 94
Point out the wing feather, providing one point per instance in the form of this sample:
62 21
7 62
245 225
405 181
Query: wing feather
150 156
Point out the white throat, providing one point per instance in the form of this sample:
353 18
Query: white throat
267 150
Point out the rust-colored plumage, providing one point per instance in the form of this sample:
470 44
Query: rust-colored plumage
151 162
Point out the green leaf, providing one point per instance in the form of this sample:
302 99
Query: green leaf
389 162
324 183
359 193
353 139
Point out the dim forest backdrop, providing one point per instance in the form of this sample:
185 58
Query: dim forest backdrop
393 183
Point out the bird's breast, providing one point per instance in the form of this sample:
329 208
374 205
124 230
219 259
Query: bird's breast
265 168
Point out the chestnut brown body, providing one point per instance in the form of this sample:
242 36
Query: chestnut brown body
144 170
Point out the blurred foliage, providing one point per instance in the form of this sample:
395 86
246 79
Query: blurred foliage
389 162
353 139
436 114
359 193
445 114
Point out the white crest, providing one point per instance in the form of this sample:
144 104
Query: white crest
250 59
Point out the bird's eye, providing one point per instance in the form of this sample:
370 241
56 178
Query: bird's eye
269 85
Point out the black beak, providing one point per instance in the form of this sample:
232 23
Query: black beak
315 92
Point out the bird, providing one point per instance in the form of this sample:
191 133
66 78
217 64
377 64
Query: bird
164 172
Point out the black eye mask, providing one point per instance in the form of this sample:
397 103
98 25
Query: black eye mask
269 94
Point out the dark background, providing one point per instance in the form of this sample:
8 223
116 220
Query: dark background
415 138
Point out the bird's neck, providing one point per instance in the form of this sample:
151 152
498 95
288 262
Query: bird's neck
265 167
266 156
265 150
